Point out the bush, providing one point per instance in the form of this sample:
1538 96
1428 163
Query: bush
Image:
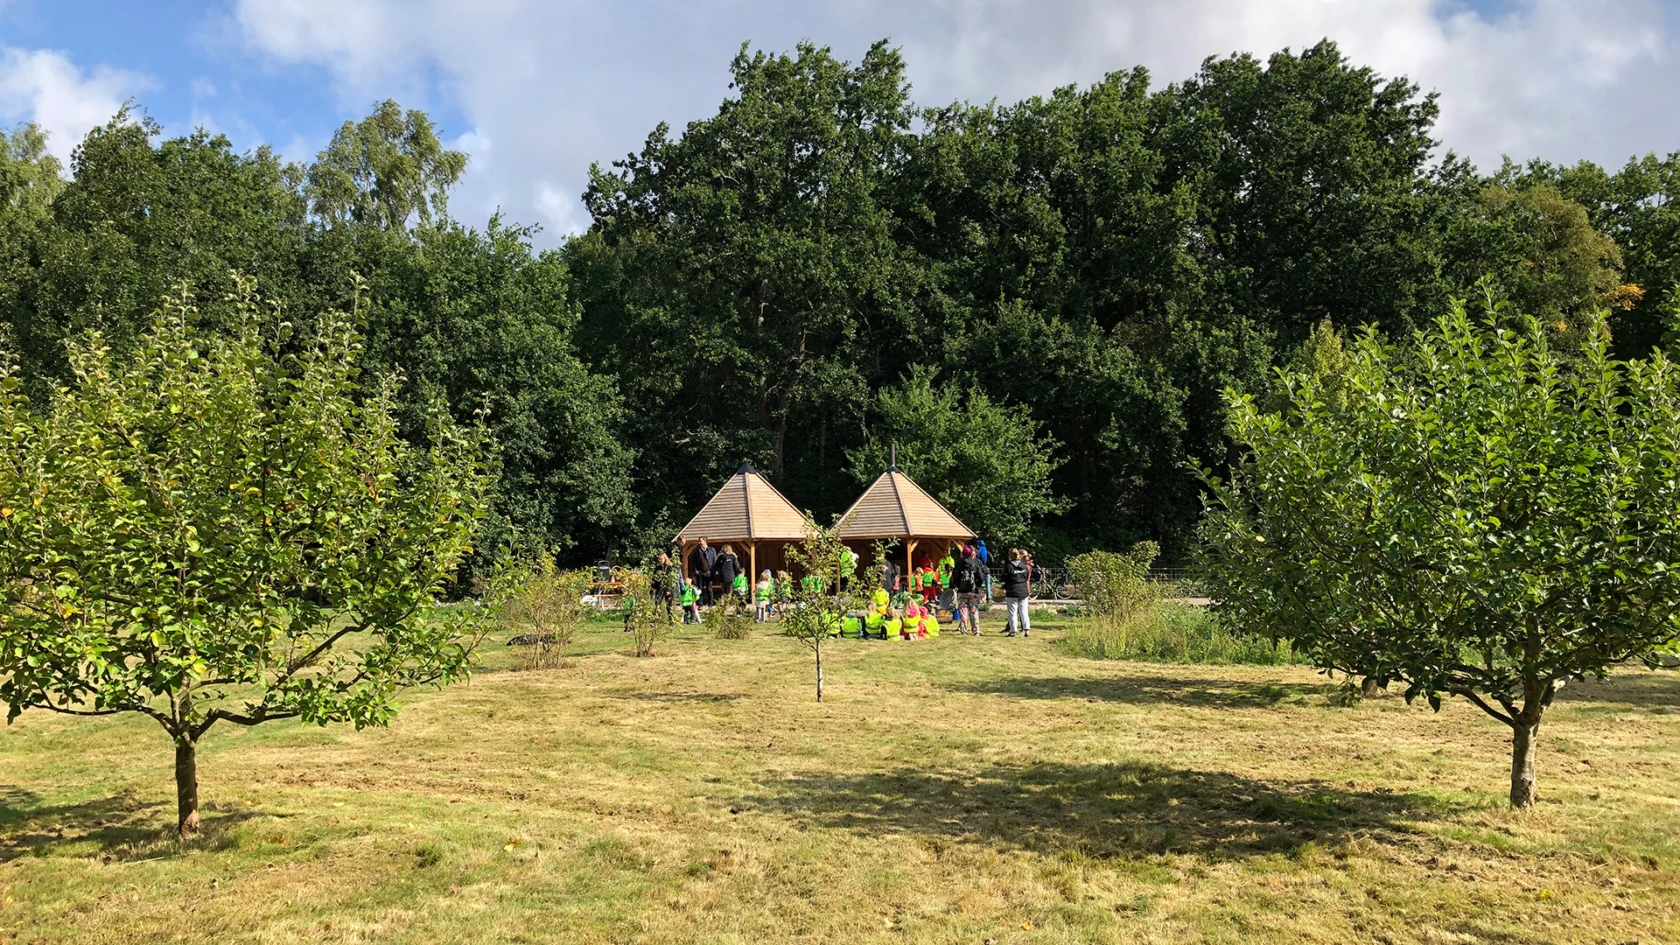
549 603
725 624
1172 633
1116 585
644 616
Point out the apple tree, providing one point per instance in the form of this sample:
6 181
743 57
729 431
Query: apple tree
228 528
1487 513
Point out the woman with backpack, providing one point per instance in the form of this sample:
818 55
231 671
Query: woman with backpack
1017 588
726 570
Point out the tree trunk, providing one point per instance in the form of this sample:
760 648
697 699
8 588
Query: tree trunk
1523 737
186 786
819 672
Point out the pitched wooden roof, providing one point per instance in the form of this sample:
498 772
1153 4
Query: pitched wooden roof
895 507
747 508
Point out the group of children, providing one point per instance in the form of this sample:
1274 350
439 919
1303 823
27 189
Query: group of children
907 615
770 595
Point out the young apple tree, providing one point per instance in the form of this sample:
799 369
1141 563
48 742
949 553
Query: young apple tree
817 611
1481 515
227 528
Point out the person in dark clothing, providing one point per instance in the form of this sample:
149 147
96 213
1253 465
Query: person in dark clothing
726 569
1017 588
701 562
889 576
967 579
666 578
985 564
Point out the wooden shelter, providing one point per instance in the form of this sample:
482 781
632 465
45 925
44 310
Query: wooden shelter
895 508
747 511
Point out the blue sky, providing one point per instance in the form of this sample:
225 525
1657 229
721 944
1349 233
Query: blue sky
537 89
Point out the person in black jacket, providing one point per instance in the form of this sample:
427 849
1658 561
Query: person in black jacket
701 562
967 580
666 578
889 576
1017 588
726 569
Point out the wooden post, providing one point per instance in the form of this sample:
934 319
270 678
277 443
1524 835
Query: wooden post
909 565
752 569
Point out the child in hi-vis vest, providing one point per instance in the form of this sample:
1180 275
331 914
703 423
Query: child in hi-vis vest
763 593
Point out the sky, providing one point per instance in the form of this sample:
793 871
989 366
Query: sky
537 90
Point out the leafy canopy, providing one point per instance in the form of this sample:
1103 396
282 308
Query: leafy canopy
986 461
1484 516
225 527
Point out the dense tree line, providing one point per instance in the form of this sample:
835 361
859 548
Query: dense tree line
1039 303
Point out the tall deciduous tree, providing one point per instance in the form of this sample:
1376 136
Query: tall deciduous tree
1486 516
986 461
389 170
743 280
221 527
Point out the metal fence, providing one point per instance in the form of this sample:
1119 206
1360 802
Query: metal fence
1058 583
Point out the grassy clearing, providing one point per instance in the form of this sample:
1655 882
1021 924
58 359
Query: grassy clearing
950 790
1172 633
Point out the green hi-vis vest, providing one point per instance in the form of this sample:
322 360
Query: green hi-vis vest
690 595
740 585
765 592
851 627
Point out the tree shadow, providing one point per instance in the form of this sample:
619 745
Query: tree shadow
1103 811
1219 693
1655 690
678 698
121 827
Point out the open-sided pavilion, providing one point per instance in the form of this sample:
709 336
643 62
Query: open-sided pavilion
750 514
894 508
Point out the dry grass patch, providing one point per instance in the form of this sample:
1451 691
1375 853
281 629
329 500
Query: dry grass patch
951 790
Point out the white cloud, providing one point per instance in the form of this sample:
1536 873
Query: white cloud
45 87
557 85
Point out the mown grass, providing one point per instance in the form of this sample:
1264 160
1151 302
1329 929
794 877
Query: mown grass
1172 633
950 790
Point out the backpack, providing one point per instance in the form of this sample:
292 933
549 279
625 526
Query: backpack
965 580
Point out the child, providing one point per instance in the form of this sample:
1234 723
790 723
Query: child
784 592
690 596
739 590
764 594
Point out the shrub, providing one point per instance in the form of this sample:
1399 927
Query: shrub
725 624
1116 585
1172 633
550 603
644 617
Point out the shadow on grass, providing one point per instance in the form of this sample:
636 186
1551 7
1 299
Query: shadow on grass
678 698
120 828
1658 690
1103 811
1221 693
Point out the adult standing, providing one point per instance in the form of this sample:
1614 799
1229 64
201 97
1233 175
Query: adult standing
1017 589
967 578
985 564
667 579
889 575
701 563
726 568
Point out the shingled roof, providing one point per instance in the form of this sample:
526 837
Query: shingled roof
747 508
895 507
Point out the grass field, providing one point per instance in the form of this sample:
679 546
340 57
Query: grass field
954 790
